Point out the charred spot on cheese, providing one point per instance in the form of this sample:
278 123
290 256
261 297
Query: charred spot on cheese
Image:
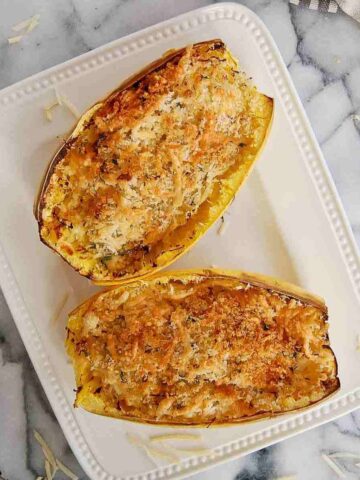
153 165
200 348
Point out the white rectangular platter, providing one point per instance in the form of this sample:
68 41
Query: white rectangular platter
287 221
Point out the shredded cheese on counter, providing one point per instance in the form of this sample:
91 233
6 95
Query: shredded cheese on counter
66 470
26 26
34 23
49 471
52 465
334 466
16 39
344 455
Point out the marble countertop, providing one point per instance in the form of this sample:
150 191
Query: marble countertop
323 56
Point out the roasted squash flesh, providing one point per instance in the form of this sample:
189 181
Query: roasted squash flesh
150 168
199 347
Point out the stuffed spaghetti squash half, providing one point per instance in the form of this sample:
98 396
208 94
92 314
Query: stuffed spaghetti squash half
150 168
200 347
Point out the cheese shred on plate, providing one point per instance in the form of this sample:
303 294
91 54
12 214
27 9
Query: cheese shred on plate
62 101
51 464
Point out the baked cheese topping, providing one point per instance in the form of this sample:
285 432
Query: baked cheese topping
148 158
207 351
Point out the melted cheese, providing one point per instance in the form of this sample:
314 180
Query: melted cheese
149 158
202 352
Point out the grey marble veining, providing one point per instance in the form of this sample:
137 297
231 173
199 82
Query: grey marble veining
322 52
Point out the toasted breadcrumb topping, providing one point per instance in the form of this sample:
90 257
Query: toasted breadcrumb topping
202 352
148 158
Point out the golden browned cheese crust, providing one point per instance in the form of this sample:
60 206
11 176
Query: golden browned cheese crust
197 349
154 165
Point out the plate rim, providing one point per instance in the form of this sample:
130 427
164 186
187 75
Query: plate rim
318 171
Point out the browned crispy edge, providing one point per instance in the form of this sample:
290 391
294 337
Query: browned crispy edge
251 418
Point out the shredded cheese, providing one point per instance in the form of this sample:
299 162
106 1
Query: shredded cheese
174 436
15 39
48 109
334 466
58 96
61 101
181 295
288 477
66 470
34 23
151 457
71 107
135 440
64 101
151 450
156 452
25 24
50 457
52 464
194 450
48 471
124 297
48 114
21 25
343 455
165 453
